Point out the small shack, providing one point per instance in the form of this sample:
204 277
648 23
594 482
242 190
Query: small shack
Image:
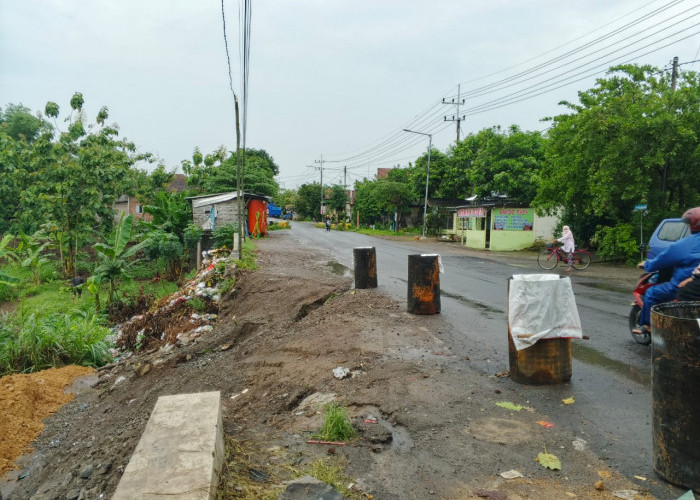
215 210
501 228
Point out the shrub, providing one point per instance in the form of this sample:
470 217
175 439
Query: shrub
617 243
223 235
30 342
129 305
198 304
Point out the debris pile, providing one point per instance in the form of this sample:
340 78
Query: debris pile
182 316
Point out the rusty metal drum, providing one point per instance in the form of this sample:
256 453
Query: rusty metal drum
423 284
548 361
675 388
365 259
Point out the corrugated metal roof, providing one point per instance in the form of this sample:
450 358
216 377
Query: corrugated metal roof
213 200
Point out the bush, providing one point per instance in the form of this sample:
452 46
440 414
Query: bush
30 343
223 235
129 305
617 243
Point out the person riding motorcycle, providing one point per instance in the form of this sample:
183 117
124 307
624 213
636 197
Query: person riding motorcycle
682 256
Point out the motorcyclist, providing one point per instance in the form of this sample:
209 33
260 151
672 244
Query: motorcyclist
682 256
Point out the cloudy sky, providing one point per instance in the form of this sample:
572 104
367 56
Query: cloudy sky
338 78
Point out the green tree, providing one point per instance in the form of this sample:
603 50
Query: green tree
19 123
74 179
629 140
336 198
309 201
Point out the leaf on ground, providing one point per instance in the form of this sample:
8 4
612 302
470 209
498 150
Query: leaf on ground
545 424
549 461
509 406
568 401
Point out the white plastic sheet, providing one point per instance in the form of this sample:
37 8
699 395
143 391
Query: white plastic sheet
541 306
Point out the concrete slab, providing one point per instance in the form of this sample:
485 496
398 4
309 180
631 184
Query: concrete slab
180 453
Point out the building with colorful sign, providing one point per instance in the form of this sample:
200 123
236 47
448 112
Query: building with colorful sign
500 228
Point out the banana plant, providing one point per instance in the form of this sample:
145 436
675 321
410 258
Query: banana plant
115 256
31 248
7 254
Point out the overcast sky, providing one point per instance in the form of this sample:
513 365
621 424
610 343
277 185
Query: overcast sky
338 78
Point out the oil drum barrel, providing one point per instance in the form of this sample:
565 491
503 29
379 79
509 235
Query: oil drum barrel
675 389
365 259
423 284
547 361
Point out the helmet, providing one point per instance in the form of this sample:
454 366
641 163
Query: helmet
692 217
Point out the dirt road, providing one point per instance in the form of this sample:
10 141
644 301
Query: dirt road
439 434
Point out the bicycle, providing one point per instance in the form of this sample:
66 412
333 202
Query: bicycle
551 255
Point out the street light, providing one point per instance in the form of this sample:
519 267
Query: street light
427 173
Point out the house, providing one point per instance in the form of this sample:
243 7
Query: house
215 210
129 205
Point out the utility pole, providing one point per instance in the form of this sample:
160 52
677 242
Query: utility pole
345 177
674 74
674 81
456 118
321 162
427 173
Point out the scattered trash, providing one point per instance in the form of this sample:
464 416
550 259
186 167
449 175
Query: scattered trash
490 494
605 474
239 394
226 346
688 495
509 406
641 478
503 374
548 460
625 494
599 485
371 419
258 476
568 401
545 424
23 475
340 372
511 474
580 444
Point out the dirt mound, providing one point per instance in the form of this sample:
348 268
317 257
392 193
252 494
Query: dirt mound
25 401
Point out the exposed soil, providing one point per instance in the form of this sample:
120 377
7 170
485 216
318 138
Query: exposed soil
25 401
277 339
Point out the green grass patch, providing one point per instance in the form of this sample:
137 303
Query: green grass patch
29 342
331 470
412 231
336 424
249 259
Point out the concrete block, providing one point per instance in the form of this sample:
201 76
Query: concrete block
180 453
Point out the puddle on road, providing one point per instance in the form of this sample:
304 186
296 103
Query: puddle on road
400 438
473 303
605 286
461 298
592 357
338 268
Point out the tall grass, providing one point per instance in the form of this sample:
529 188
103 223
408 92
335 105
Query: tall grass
336 424
29 342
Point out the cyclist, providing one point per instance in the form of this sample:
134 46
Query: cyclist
568 245
682 256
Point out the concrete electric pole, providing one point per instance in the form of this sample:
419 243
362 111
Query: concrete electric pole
455 118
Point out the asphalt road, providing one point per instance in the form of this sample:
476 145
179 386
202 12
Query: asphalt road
611 373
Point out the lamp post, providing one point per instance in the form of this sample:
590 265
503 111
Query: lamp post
427 173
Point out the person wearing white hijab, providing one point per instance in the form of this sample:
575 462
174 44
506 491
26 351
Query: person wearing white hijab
568 245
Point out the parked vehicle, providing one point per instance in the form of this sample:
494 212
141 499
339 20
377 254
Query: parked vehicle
646 281
666 233
273 210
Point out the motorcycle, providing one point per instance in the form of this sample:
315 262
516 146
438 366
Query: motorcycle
646 281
